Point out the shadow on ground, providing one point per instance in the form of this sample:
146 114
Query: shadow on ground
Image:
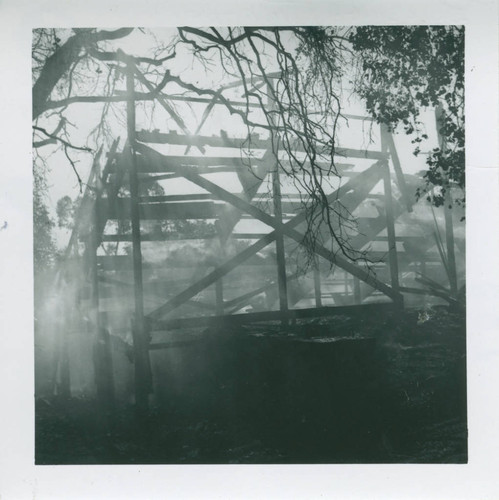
388 389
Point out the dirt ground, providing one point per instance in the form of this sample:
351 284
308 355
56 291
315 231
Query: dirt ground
386 389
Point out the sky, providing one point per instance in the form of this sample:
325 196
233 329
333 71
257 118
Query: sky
83 118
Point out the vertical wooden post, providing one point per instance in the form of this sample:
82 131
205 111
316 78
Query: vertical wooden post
390 221
449 237
279 242
281 259
93 243
101 347
219 296
317 286
390 144
390 228
142 362
449 224
423 266
356 290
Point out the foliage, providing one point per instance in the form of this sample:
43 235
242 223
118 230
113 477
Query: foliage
65 212
287 81
44 249
287 76
191 228
406 68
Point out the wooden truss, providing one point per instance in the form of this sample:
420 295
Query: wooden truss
141 162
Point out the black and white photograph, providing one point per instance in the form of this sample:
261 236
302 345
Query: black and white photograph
248 251
249 245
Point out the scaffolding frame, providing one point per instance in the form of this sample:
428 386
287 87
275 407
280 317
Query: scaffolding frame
138 162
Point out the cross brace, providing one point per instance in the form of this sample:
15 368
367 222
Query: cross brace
286 229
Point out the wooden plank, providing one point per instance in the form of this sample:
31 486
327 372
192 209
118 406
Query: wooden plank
428 291
91 251
247 236
100 347
369 228
98 222
298 237
277 203
358 117
317 287
125 263
122 290
242 299
387 137
362 183
449 240
219 296
110 159
209 279
404 258
171 236
370 175
251 183
252 141
83 205
449 224
164 103
249 142
173 161
356 291
285 228
390 227
115 262
143 377
177 197
205 165
219 164
121 209
291 314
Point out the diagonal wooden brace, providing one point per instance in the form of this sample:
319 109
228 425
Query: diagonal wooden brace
286 229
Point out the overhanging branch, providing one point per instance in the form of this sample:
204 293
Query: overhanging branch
54 138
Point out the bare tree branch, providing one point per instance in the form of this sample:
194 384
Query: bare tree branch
64 142
60 62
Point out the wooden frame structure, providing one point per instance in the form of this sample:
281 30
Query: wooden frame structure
140 161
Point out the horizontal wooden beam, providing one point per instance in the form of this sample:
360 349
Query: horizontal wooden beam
218 164
124 262
287 229
250 142
362 182
176 236
170 236
177 197
355 311
145 165
117 263
111 292
432 292
120 209
213 276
